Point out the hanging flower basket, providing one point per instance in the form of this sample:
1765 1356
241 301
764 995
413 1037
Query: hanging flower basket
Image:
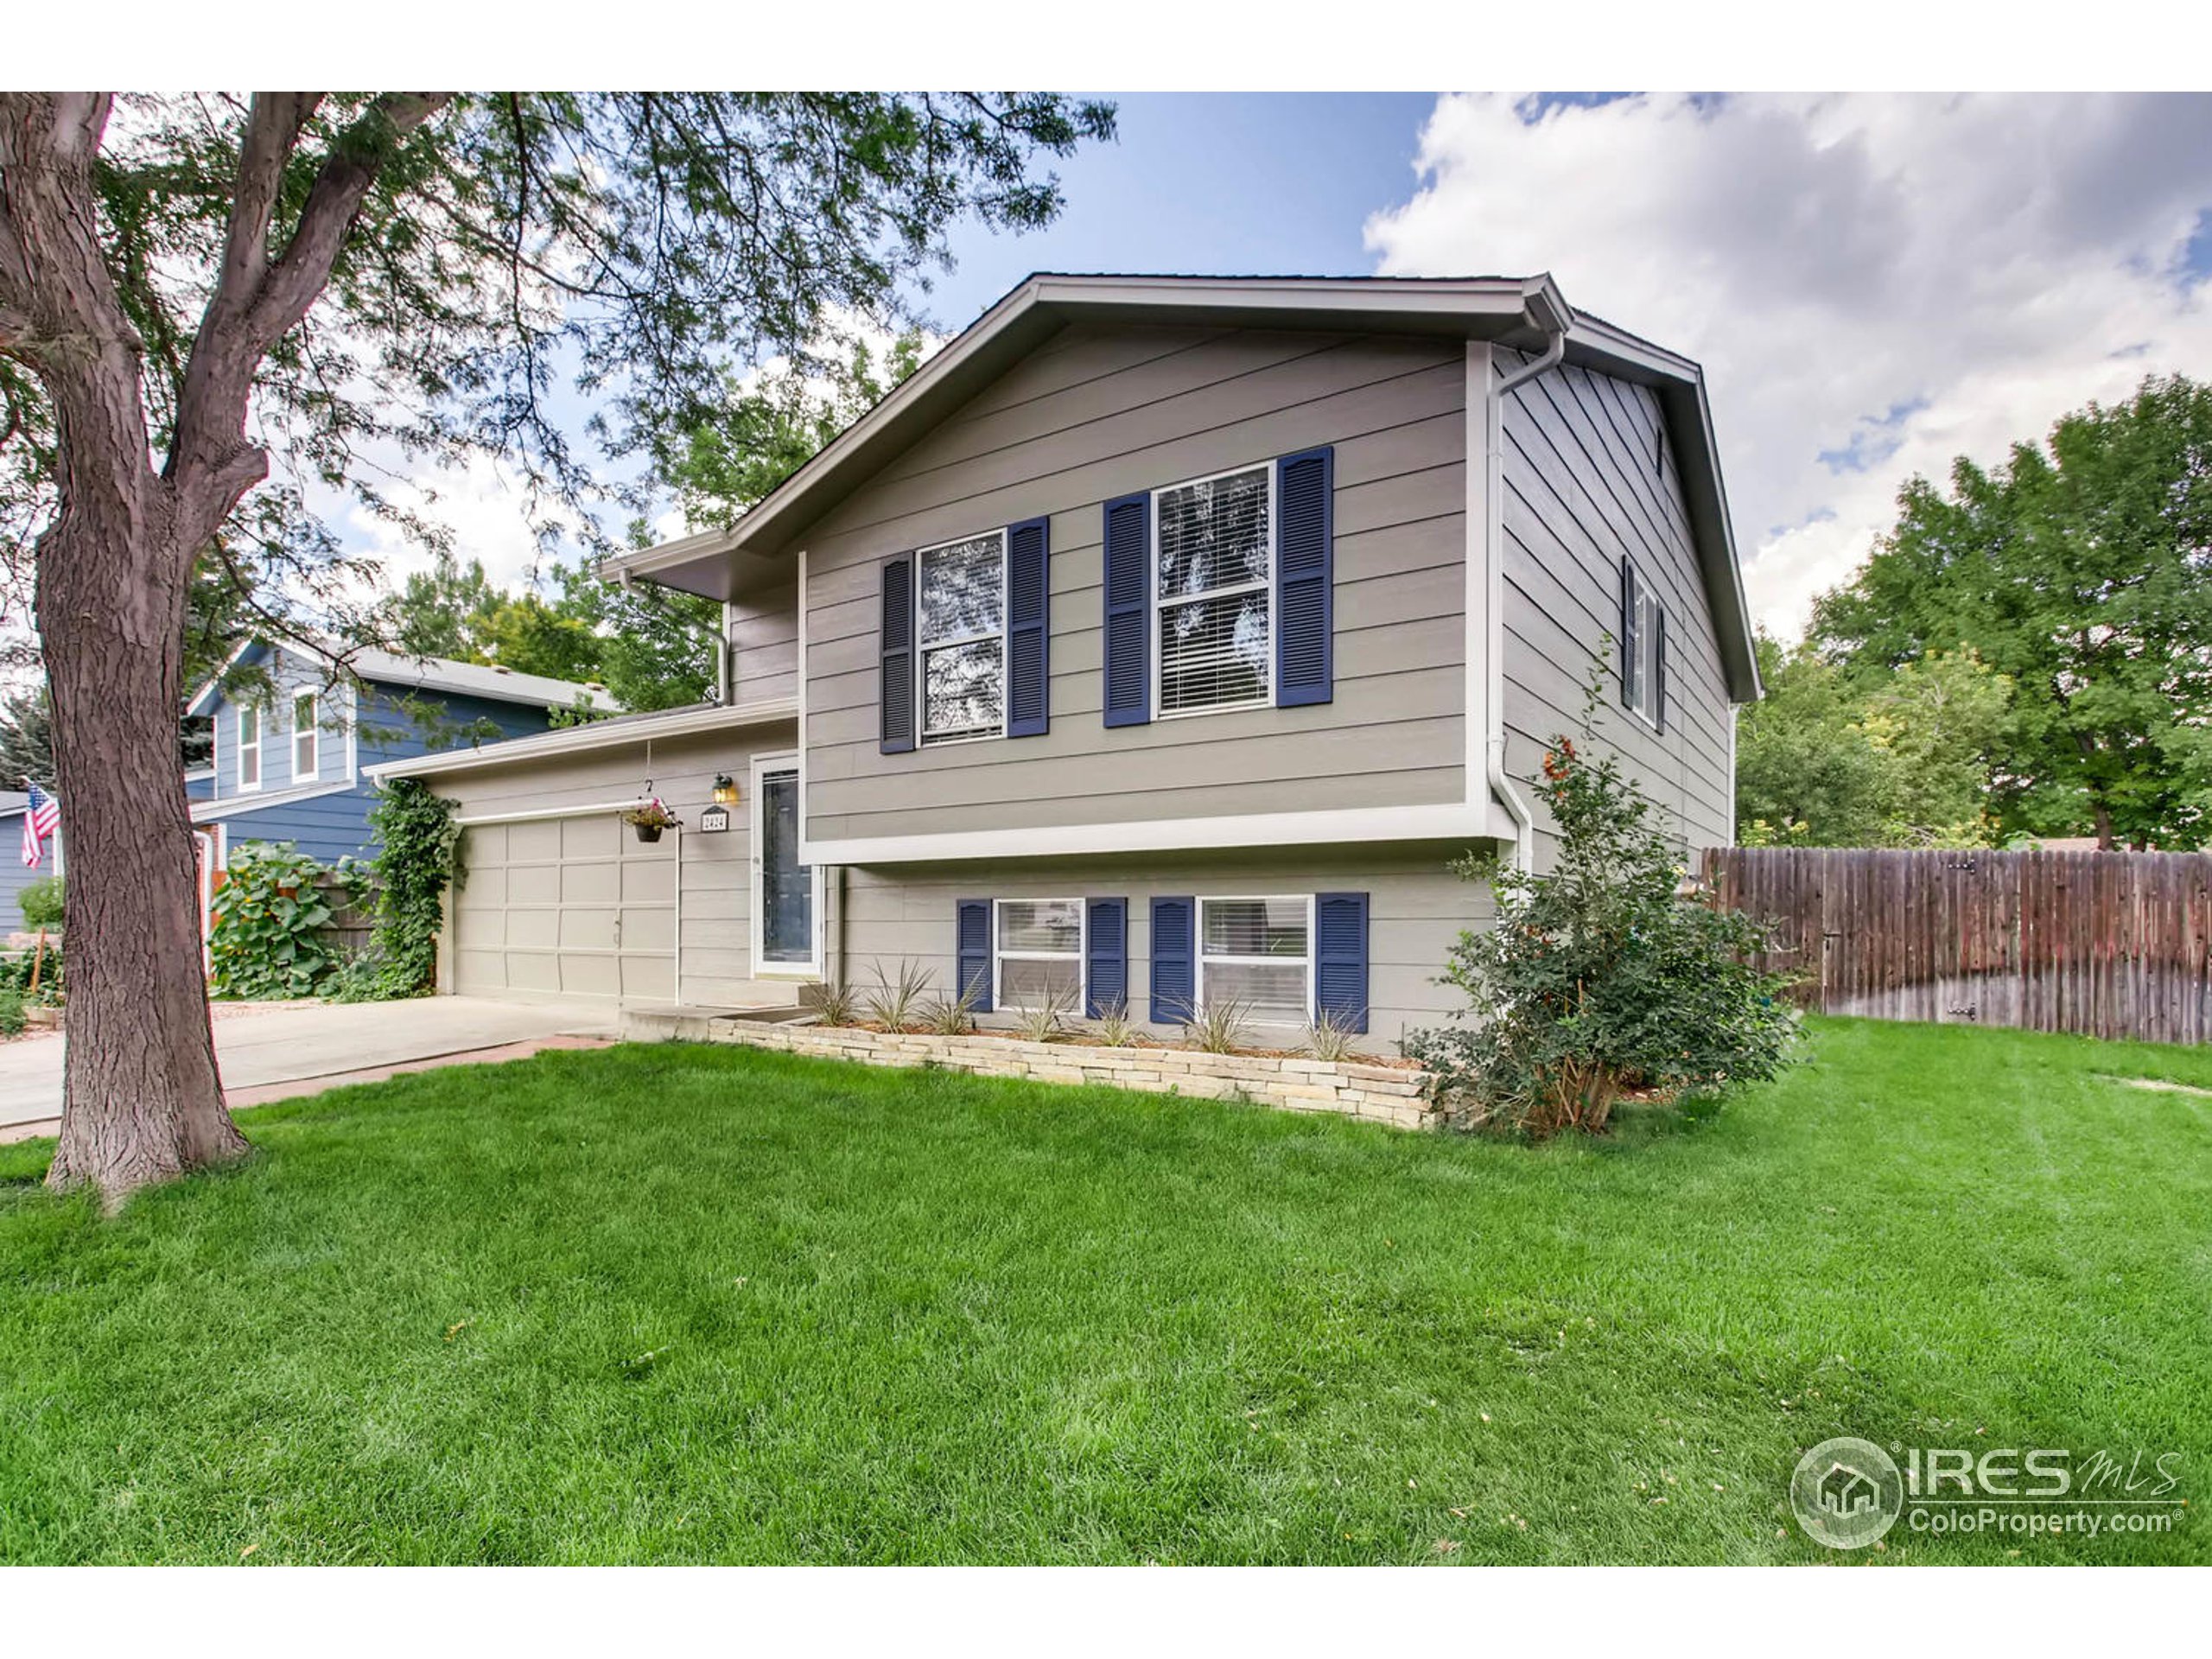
650 819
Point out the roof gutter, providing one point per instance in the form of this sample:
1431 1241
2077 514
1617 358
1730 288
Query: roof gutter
1554 321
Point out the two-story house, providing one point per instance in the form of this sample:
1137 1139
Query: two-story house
293 741
1162 641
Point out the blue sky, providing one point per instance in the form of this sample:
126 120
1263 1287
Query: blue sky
1263 182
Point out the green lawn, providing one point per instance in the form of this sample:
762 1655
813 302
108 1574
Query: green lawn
916 1317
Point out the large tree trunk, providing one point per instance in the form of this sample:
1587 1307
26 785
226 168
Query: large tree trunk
142 1101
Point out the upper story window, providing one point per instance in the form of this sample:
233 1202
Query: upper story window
1643 648
1213 584
1038 944
1258 952
307 737
960 614
249 747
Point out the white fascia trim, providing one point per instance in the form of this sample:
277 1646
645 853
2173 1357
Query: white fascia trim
535 814
197 706
582 740
231 806
1444 821
1472 298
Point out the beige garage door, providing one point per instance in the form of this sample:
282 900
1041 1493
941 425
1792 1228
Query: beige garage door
566 907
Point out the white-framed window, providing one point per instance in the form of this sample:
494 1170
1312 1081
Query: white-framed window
1259 952
249 747
960 658
1213 568
307 737
1037 948
1649 630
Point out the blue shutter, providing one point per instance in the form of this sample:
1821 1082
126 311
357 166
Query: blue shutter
1340 958
895 638
974 953
1106 967
1627 634
1174 982
1029 616
1305 577
1659 668
1129 626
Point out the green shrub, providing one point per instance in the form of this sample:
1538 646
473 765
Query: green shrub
12 1019
1602 978
41 902
269 913
15 974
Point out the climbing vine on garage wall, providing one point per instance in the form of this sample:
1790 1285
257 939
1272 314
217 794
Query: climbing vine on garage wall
418 858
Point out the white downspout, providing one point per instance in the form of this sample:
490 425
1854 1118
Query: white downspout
1524 823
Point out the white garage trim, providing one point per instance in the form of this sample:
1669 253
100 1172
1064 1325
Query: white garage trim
466 819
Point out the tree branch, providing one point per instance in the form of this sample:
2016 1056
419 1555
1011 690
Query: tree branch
273 126
210 462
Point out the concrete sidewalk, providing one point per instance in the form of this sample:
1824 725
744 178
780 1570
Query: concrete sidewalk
272 1051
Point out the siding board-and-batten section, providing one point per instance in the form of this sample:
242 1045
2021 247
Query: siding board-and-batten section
1098 414
1589 478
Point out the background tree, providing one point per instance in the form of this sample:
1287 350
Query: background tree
26 741
1826 759
652 647
215 303
2082 570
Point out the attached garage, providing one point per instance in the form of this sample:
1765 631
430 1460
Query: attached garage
568 907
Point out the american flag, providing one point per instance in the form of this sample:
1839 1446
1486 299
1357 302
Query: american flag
41 817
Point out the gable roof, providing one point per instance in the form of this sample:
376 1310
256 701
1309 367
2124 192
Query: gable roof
1516 311
12 801
422 674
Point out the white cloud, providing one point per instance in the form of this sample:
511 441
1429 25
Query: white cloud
1874 283
484 506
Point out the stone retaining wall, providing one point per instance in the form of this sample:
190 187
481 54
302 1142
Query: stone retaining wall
1380 1093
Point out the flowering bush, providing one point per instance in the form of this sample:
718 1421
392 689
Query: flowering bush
1602 978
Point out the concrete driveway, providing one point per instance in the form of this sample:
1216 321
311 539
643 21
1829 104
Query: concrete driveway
270 1051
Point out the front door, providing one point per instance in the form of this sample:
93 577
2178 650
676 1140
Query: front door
787 894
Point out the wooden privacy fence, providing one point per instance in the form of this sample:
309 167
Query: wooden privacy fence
2107 944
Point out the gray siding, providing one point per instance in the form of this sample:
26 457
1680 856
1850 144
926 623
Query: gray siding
1097 414
764 646
1416 908
1588 479
716 901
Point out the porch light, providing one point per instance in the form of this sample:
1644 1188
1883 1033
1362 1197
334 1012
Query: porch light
725 789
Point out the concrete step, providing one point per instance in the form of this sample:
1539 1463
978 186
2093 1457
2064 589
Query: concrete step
693 1023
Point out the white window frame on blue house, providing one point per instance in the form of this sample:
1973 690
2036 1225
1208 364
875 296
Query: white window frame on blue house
244 748
307 731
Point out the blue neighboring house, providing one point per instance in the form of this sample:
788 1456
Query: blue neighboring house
292 744
14 877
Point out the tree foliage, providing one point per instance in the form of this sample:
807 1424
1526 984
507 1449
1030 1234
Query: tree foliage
642 248
650 646
1826 759
219 316
2081 569
1600 976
